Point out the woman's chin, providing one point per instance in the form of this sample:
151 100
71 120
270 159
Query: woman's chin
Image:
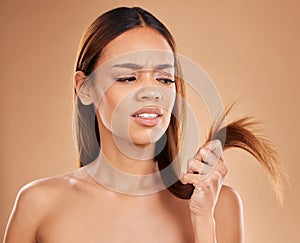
146 137
143 142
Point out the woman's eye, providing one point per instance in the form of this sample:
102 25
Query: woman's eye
126 79
166 80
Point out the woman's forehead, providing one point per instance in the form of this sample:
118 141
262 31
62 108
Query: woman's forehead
139 60
142 40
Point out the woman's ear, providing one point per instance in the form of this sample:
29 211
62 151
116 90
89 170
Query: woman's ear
83 89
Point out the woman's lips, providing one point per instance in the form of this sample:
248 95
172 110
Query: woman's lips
148 116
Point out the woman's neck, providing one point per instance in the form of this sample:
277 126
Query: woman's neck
125 168
128 157
114 179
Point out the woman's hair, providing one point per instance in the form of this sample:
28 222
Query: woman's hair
238 133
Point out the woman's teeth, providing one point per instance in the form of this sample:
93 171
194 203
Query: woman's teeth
147 115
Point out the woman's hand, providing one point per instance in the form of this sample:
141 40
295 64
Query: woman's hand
206 172
210 169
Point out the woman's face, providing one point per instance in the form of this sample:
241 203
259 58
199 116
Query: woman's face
134 86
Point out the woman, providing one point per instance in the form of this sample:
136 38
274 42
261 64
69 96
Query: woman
129 103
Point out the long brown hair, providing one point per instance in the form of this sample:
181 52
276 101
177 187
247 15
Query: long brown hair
244 133
238 133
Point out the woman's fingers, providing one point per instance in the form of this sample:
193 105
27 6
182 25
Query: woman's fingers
189 178
201 167
216 172
206 172
195 165
208 162
204 163
214 146
221 168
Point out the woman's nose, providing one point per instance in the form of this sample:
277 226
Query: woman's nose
148 93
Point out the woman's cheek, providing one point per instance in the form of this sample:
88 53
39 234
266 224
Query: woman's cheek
169 97
104 115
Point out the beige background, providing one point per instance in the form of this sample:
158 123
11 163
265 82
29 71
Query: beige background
250 46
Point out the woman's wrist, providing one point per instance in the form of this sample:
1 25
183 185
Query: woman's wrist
204 229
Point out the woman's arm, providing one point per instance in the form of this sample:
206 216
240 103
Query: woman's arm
226 224
216 210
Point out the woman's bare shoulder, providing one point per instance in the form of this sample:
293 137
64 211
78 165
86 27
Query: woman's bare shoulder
229 196
229 203
51 187
38 199
45 193
229 214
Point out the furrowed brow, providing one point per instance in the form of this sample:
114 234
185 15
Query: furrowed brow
163 66
128 66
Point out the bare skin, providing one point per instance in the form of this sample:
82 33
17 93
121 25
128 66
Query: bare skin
75 208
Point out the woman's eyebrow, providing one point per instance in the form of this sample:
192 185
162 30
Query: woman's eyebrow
128 66
163 66
137 67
